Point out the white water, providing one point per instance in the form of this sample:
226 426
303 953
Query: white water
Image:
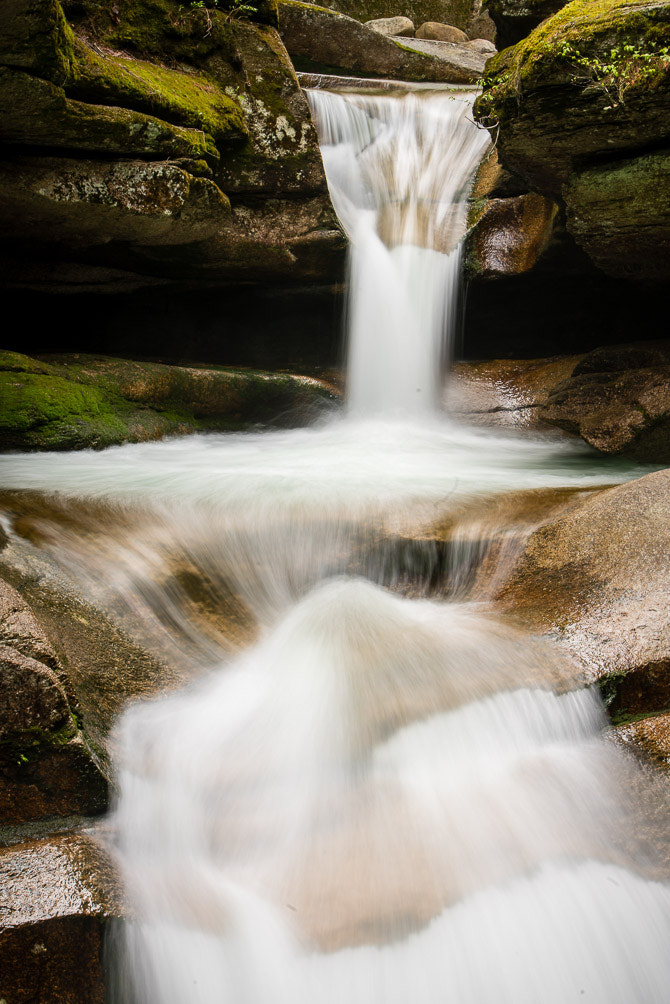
383 800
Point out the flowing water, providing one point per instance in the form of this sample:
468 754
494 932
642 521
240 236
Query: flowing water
385 797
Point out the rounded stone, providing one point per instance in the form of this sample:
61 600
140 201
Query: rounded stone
436 32
401 27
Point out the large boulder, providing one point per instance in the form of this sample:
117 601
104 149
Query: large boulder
322 40
596 579
127 132
78 402
438 32
580 109
618 400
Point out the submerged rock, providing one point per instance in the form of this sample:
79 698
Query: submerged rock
324 41
618 400
596 579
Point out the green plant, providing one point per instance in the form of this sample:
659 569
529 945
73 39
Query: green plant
625 66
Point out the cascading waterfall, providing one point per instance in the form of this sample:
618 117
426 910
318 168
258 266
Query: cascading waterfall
382 800
399 170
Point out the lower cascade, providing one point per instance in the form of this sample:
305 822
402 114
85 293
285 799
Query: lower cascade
387 797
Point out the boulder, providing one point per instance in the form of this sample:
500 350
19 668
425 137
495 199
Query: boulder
579 109
596 579
434 31
402 27
454 12
510 235
125 136
479 23
47 768
482 45
78 402
618 400
620 214
324 41
59 894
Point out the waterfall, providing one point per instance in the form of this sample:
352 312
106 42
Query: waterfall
399 169
385 798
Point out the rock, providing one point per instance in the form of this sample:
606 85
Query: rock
454 12
620 214
649 738
321 40
579 109
57 896
510 235
434 31
78 402
139 111
482 45
46 766
480 24
402 27
618 400
596 579
505 392
514 19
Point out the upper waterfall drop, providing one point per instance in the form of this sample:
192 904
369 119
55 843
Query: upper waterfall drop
399 168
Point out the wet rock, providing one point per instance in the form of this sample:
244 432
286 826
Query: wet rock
57 894
509 393
510 235
617 400
399 26
454 12
46 766
514 19
596 578
324 41
433 30
75 402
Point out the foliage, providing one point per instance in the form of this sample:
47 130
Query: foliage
623 67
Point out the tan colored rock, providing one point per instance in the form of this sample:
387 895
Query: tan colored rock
401 27
597 579
483 45
436 32
649 738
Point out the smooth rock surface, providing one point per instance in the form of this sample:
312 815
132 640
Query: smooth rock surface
596 579
399 26
483 45
435 31
510 235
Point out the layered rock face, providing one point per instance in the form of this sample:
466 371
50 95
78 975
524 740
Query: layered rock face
148 142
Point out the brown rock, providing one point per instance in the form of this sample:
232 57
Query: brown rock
401 27
618 400
437 32
649 738
55 896
597 578
510 235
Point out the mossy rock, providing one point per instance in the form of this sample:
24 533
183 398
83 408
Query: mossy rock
182 97
588 82
35 36
77 402
37 113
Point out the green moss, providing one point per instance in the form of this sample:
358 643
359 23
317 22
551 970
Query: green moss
35 36
181 97
606 42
